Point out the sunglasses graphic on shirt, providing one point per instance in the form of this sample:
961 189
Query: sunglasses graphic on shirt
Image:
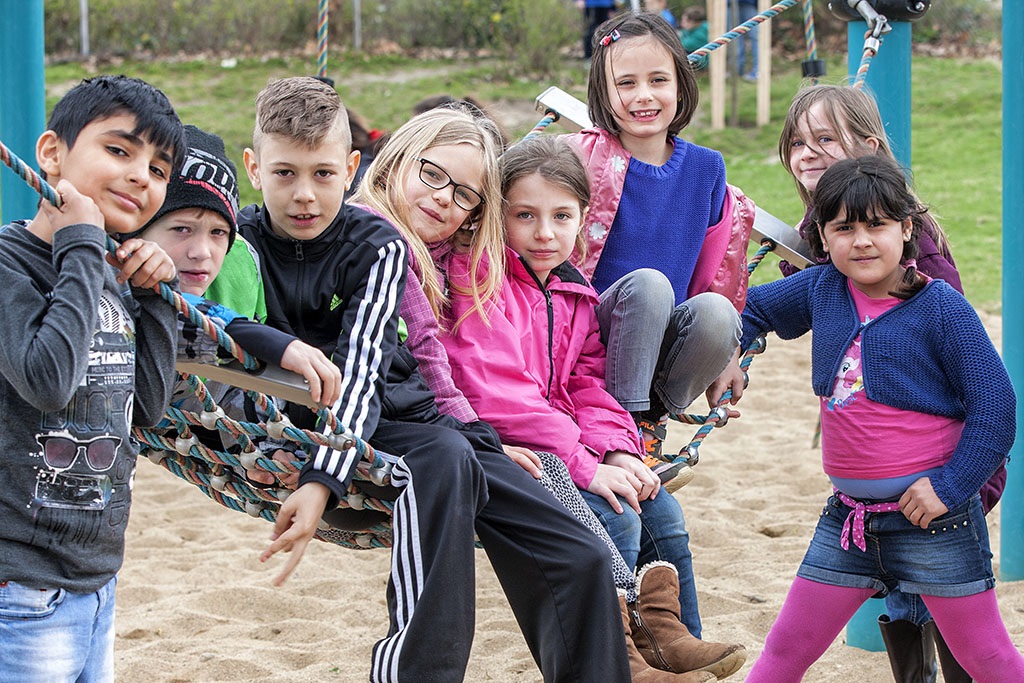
61 451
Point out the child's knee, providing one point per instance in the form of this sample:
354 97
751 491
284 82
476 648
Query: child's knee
647 291
711 316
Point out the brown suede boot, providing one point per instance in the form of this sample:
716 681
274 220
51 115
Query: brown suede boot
641 672
662 639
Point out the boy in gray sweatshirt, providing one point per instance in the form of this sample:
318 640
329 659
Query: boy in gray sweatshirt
86 351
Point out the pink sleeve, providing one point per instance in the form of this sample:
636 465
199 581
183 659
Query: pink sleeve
722 264
424 344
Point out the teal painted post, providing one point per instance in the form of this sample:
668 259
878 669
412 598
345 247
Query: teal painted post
1011 550
888 79
22 99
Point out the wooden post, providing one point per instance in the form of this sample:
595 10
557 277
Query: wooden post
764 66
716 63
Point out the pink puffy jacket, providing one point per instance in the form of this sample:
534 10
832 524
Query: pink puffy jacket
535 369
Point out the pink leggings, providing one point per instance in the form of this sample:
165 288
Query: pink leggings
814 613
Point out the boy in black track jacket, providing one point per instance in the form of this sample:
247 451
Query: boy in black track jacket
334 277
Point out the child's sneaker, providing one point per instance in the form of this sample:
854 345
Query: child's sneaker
673 475
653 433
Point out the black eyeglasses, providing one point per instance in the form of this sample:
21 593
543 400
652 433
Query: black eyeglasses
436 178
60 452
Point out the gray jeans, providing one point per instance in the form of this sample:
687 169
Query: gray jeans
660 351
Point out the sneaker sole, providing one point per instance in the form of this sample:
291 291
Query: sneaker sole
674 475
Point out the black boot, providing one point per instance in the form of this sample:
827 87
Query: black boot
952 672
911 650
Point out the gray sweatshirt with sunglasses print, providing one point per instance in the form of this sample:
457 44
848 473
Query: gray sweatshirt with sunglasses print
82 358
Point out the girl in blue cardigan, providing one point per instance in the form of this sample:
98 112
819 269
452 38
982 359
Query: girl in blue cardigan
900 360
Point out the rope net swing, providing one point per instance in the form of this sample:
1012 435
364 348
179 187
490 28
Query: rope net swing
219 472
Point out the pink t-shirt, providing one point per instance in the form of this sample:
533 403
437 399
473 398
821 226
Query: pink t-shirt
862 439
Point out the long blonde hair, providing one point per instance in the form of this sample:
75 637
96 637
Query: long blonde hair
382 190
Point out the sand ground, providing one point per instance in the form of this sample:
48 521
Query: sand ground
194 604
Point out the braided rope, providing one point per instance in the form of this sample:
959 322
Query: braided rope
321 40
809 37
29 176
871 46
719 415
549 118
745 27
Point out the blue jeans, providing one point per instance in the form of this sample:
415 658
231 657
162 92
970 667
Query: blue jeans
52 635
660 351
745 42
906 606
657 534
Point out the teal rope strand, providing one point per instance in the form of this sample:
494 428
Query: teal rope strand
745 27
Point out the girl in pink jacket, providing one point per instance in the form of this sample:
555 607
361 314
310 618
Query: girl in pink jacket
666 235
533 367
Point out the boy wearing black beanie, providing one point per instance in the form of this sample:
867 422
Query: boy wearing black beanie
196 227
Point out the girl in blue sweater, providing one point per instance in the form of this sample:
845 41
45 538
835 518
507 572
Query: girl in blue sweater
900 360
666 235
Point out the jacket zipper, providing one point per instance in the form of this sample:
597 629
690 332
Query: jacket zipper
551 325
551 340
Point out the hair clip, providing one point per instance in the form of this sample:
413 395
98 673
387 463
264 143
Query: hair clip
610 38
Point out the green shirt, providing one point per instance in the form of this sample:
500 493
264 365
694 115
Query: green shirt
239 285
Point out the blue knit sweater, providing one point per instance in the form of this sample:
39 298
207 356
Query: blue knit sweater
664 214
929 354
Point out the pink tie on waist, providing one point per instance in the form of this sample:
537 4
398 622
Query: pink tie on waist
857 515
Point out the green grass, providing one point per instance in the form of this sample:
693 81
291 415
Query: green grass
956 120
956 128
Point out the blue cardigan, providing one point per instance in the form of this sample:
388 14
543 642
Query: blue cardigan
929 354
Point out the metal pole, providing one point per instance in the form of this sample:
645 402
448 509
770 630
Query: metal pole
888 80
357 11
83 25
1011 552
22 99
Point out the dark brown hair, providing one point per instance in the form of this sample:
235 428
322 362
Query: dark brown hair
638 26
558 163
861 190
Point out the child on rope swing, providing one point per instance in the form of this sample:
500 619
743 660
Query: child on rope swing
825 124
899 359
196 227
88 351
335 274
533 367
671 270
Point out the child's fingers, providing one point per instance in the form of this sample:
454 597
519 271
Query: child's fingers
331 378
295 556
313 380
522 457
291 543
260 476
144 264
613 500
75 208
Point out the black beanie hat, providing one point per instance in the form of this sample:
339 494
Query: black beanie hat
206 180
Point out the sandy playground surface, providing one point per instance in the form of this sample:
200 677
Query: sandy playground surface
194 603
